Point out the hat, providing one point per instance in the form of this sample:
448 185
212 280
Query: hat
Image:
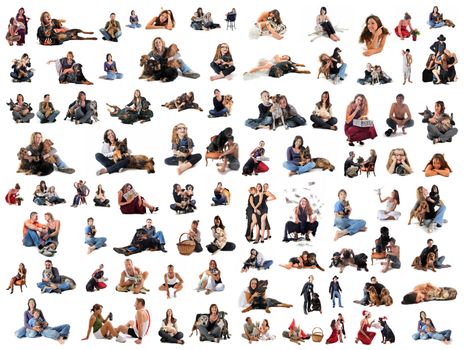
335 277
351 153
441 38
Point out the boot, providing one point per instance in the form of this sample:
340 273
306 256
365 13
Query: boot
162 248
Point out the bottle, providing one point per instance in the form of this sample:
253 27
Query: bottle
110 316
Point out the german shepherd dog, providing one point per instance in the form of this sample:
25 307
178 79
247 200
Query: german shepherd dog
262 302
430 262
387 333
135 162
321 163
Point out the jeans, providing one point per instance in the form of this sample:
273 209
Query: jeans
336 295
59 163
439 262
183 67
47 289
107 36
341 71
21 333
56 332
28 76
31 239
320 123
392 124
255 123
299 169
110 165
170 338
214 333
433 24
434 133
219 200
112 76
295 121
266 264
159 234
446 334
196 25
220 113
22 118
134 25
83 118
438 216
417 336
39 200
51 118
98 242
349 225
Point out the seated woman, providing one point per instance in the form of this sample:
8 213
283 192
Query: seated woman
198 19
168 331
358 110
436 19
165 20
270 23
304 222
254 297
427 73
100 199
219 110
221 195
338 67
373 36
19 279
21 110
440 126
342 220
130 202
374 75
437 166
138 109
12 35
402 28
431 331
212 330
392 202
305 260
81 111
102 327
256 260
66 72
420 334
13 197
398 162
105 158
322 114
255 164
222 64
183 102
183 199
323 21
265 118
294 162
182 146
445 70
210 280
22 69
110 68
40 196
369 163
220 237
133 20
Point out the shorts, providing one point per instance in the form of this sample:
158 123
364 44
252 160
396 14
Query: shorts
132 333
98 334
294 261
172 285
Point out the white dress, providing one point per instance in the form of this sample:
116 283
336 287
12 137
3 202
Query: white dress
385 214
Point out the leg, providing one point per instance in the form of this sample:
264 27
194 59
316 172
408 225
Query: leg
305 168
391 124
105 34
355 226
31 239
52 117
440 215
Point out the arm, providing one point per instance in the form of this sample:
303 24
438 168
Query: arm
91 323
151 24
179 278
391 115
372 51
270 196
391 168
166 285
139 319
430 171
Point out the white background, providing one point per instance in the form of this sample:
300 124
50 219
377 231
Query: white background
78 144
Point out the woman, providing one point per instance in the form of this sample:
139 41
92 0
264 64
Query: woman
165 20
22 110
194 235
342 220
80 110
322 114
392 202
64 66
253 298
264 331
28 331
100 199
102 327
21 20
427 73
210 278
451 61
133 20
40 196
294 160
402 28
398 162
168 331
433 217
358 110
420 334
255 165
22 69
297 262
369 163
437 166
35 149
18 278
111 69
304 222
182 146
335 69
373 35
323 21
256 260
211 331
12 197
52 197
436 19
440 126
198 19
105 158
265 113
222 64
220 237
263 217
270 23
364 335
333 338
13 36
252 211
137 109
50 239
130 202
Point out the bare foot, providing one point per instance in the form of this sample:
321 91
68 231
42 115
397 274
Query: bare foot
291 173
404 130
61 340
339 234
364 229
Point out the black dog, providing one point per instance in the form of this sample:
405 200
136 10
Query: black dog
360 261
92 284
382 242
336 260
79 75
387 333
315 303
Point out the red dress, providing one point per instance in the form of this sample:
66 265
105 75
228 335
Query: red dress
356 133
133 207
11 198
333 337
403 30
370 335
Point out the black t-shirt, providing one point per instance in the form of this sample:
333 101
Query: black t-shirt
218 105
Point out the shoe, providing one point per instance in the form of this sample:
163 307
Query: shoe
210 116
47 253
99 172
162 248
361 143
121 170
191 74
388 132
438 225
119 250
351 144
67 170
120 339
104 38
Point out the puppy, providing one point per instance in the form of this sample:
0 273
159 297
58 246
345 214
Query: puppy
47 147
326 63
324 164
25 161
135 162
336 260
374 299
228 102
419 213
315 303
385 297
387 333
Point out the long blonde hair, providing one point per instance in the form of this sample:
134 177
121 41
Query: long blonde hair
218 51
174 138
390 161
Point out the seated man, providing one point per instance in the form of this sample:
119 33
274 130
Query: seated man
393 256
112 29
432 248
351 167
33 231
52 282
132 279
398 111
139 328
378 288
229 156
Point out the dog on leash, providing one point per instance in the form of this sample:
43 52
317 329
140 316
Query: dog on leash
135 162
387 333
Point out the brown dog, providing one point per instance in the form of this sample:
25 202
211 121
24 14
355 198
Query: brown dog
47 147
135 162
172 51
226 193
373 296
419 213
385 297
321 163
25 160
430 262
228 102
148 67
326 63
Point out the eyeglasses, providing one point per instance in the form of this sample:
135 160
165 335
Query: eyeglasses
181 128
224 47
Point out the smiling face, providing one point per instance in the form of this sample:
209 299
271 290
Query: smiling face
181 131
298 143
342 195
163 17
111 136
372 25
224 49
265 97
358 101
158 44
436 163
253 284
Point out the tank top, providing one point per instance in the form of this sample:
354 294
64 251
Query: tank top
171 281
97 325
145 325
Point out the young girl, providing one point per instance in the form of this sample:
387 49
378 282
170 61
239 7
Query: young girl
20 276
182 146
52 197
389 213
12 35
373 35
223 64
111 69
102 327
437 166
133 20
270 23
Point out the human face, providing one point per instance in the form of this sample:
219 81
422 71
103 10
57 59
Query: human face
48 265
342 195
164 17
322 12
372 25
286 57
259 187
212 264
399 99
399 155
265 187
19 98
46 18
90 222
298 143
170 269
325 97
149 223
373 280
47 217
425 192
261 144
181 130
31 304
436 163
253 284
36 315
358 101
158 44
429 244
137 93
169 313
265 97
437 108
110 136
214 309
82 97
113 17
283 103
217 221
35 216
224 48
217 93
47 98
128 264
69 56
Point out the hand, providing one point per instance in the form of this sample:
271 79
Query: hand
45 156
138 341
85 338
47 42
379 31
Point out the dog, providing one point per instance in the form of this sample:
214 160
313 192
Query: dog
321 163
93 107
148 67
385 297
47 147
360 260
33 165
112 29
312 260
374 299
71 34
430 262
226 194
336 260
419 213
326 64
315 303
172 51
79 75
387 333
135 162
281 68
202 319
261 301
11 104
228 103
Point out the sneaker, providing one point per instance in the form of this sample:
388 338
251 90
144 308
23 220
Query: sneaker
121 170
210 116
191 74
47 253
120 339
431 227
67 170
99 172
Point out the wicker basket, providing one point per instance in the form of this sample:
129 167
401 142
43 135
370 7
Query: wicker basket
185 247
317 335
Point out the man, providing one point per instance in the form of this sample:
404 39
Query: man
47 113
219 109
229 156
32 231
350 166
378 288
407 63
172 280
158 235
438 259
112 29
132 279
93 242
335 292
307 293
251 331
140 327
397 118
439 46
393 256
52 281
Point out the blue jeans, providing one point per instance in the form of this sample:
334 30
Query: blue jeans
134 25
39 200
28 76
44 287
433 24
439 215
112 76
51 118
219 200
295 121
446 334
196 25
59 163
349 225
266 264
341 71
336 295
417 336
255 123
299 169
220 113
183 67
56 332
110 165
98 242
107 36
21 333
160 237
31 239
439 262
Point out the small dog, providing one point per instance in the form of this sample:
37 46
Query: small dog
47 147
326 63
387 333
336 260
374 299
385 297
430 262
315 303
135 162
112 29
360 260
228 103
419 213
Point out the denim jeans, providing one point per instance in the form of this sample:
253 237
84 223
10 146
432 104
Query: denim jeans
351 226
31 239
98 242
107 36
56 332
439 262
51 118
219 200
110 165
21 333
39 200
446 334
59 163
220 113
29 75
423 336
295 121
336 295
266 264
134 25
433 24
183 67
112 76
341 71
159 234
299 169
196 25
45 288
392 124
439 215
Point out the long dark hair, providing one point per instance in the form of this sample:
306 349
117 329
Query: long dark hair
173 319
221 225
298 137
366 35
327 103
